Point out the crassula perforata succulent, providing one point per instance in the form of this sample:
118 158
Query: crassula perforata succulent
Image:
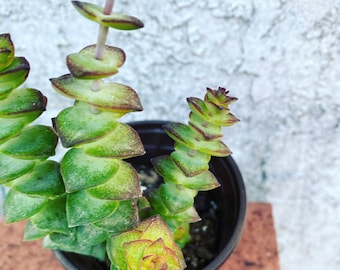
91 201
186 170
24 148
150 245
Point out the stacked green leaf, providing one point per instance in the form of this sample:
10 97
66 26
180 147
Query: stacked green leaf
101 188
35 183
186 170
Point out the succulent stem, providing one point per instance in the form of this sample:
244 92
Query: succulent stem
99 54
103 31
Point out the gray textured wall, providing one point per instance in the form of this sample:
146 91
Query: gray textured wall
280 58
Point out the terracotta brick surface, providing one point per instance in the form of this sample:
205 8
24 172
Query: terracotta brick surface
18 255
257 249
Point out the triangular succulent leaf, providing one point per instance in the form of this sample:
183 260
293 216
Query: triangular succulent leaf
34 142
6 50
44 180
112 96
77 124
128 145
84 65
123 185
22 101
123 218
52 217
114 20
14 75
12 168
79 212
10 127
81 171
19 206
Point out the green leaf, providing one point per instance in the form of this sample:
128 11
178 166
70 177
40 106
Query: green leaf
45 180
157 203
190 161
210 112
91 235
123 185
165 166
219 97
6 51
84 65
32 232
112 96
22 101
123 218
14 75
52 218
69 243
114 20
19 206
34 142
177 198
12 168
155 229
123 142
208 130
81 171
186 135
77 124
134 252
189 215
79 212
10 127
115 249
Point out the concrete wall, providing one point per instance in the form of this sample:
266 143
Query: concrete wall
280 58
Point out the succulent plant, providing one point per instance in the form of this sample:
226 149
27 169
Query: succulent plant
186 170
24 148
101 188
91 201
150 245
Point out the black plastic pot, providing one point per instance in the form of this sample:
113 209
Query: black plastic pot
230 199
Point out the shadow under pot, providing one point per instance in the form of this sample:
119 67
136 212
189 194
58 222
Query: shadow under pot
222 210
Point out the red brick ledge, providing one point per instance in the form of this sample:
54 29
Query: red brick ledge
257 249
